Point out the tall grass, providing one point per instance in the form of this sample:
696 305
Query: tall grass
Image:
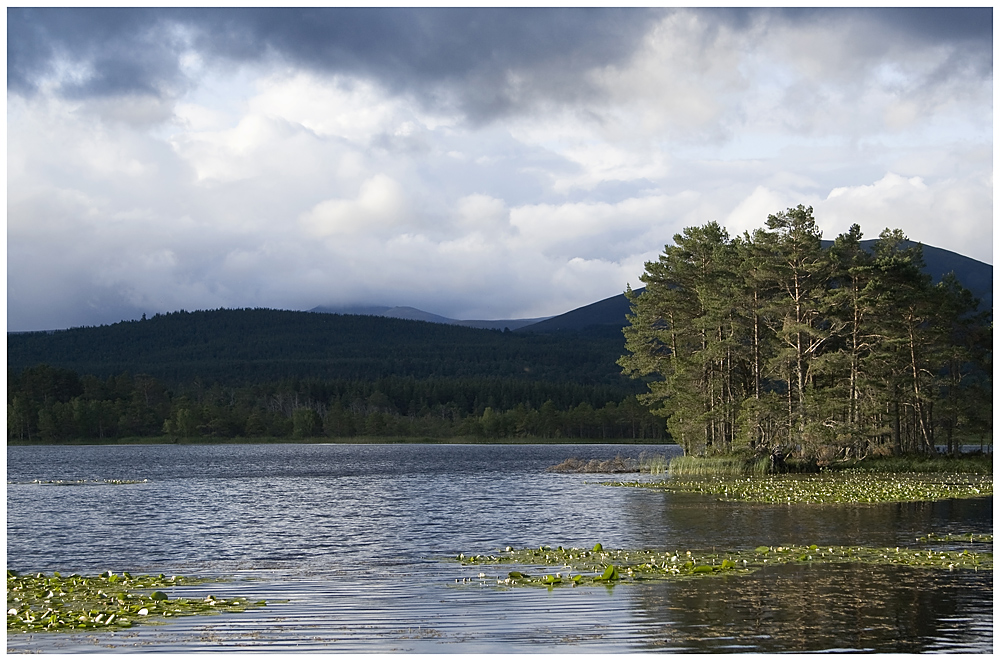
980 464
654 464
739 465
727 466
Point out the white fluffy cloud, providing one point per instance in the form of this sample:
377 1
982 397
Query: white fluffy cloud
273 184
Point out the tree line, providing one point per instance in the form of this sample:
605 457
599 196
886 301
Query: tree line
246 346
52 405
769 343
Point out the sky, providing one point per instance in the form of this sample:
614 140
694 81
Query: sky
473 163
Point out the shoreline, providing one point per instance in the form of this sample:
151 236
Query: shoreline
354 440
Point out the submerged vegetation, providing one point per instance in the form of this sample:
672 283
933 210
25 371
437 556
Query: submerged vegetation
599 566
828 488
653 464
36 602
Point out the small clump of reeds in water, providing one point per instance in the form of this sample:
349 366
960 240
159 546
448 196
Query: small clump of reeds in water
653 464
616 465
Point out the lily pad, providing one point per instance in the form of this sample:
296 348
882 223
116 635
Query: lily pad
109 601
633 565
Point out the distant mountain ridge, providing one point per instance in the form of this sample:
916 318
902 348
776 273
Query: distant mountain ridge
974 275
413 314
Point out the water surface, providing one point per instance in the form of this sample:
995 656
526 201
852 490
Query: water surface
350 545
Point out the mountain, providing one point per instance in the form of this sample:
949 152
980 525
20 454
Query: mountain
261 345
974 275
608 312
580 346
414 314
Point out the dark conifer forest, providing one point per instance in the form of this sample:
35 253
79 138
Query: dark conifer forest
270 373
771 343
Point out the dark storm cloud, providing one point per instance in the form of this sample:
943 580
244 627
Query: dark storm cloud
928 25
424 52
489 61
124 50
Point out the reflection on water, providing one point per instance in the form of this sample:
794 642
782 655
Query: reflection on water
349 544
821 608
695 521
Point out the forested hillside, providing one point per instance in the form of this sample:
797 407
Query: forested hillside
256 345
244 373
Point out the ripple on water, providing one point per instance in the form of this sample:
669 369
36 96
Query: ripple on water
348 546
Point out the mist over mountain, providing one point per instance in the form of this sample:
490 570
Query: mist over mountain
413 314
976 276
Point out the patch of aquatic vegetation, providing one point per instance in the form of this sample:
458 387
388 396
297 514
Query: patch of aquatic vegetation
653 464
599 566
616 465
832 488
743 464
920 464
77 483
56 603
972 538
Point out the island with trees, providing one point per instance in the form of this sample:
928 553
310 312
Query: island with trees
773 347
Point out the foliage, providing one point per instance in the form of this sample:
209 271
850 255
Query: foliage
832 488
771 344
250 346
919 464
601 566
36 602
726 465
54 405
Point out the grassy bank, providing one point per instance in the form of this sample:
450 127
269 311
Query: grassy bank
980 464
831 488
738 465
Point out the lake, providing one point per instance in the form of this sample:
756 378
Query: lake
351 546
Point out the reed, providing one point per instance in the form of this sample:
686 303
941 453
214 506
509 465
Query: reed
703 466
654 464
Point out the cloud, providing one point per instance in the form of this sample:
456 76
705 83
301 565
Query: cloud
380 207
483 214
487 62
474 163
962 207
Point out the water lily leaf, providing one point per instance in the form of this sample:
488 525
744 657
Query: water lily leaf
158 596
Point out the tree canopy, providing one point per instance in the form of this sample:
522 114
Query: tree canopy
770 343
